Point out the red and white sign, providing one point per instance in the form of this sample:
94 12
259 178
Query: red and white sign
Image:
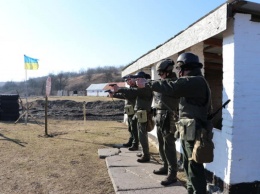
48 86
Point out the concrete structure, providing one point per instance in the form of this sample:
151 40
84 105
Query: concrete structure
227 43
71 93
131 177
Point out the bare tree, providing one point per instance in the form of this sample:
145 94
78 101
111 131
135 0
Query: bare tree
89 74
109 71
9 87
62 80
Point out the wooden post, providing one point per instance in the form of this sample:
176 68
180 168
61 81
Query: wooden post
46 119
48 92
26 98
84 112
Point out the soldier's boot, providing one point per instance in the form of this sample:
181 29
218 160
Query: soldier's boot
161 171
171 178
144 158
129 143
134 147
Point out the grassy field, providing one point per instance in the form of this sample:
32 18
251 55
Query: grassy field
66 163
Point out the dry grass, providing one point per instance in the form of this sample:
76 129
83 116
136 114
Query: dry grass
74 98
65 163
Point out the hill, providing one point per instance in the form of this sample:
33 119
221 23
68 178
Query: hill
63 81
81 83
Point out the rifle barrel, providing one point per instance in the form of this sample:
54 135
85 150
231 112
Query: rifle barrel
211 116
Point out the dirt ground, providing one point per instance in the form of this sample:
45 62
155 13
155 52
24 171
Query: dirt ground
67 162
73 110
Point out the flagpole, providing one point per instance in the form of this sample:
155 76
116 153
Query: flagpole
29 63
26 95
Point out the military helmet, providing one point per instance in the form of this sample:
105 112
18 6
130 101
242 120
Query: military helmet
188 60
165 65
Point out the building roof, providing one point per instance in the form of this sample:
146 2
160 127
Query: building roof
97 86
210 25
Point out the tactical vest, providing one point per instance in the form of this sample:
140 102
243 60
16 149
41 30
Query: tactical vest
195 110
144 100
165 102
192 111
130 101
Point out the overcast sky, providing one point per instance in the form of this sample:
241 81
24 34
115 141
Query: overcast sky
74 35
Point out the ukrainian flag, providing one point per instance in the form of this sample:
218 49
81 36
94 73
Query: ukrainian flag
30 63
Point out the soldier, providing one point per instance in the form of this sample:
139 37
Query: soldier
194 106
133 142
142 110
165 118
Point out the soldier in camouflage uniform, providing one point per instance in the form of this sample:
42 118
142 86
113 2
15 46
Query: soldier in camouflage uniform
165 118
133 141
144 99
194 95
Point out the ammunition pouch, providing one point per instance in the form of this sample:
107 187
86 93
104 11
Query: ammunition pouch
186 129
129 110
203 151
141 116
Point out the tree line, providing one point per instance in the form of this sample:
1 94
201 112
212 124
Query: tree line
71 81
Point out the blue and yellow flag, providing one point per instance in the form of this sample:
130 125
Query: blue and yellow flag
30 63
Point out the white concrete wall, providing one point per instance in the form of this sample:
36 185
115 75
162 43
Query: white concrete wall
97 93
198 50
237 158
246 134
154 76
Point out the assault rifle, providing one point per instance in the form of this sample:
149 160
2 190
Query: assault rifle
211 116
